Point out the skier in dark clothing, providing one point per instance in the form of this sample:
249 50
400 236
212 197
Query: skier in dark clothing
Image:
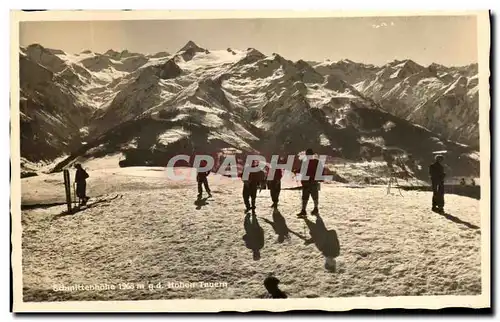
201 178
81 184
310 186
436 172
274 185
254 181
271 285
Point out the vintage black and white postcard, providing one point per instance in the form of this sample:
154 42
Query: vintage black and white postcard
236 161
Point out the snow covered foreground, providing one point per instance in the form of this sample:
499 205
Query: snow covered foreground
153 232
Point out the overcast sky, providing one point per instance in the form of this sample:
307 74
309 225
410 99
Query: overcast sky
446 40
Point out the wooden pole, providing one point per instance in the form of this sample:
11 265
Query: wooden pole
67 186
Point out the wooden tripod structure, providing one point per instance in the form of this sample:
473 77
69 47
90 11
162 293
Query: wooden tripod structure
393 180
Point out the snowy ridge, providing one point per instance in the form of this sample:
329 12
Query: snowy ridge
419 94
149 106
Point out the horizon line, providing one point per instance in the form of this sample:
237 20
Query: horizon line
303 59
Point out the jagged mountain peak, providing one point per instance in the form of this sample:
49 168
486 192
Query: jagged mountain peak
190 50
48 58
411 63
169 70
111 52
252 52
436 97
400 69
406 63
473 66
252 55
302 64
35 46
191 45
308 73
126 54
346 61
287 64
327 66
279 58
437 69
42 49
436 65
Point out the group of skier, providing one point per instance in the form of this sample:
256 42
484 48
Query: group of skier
311 185
265 178
271 180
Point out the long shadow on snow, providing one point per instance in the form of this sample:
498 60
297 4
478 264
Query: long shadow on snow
254 235
200 203
325 240
279 225
82 208
42 205
459 221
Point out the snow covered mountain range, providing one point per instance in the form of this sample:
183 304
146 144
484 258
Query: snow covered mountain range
150 107
442 99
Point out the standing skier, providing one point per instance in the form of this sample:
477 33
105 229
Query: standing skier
436 172
310 186
274 185
81 184
253 182
201 178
